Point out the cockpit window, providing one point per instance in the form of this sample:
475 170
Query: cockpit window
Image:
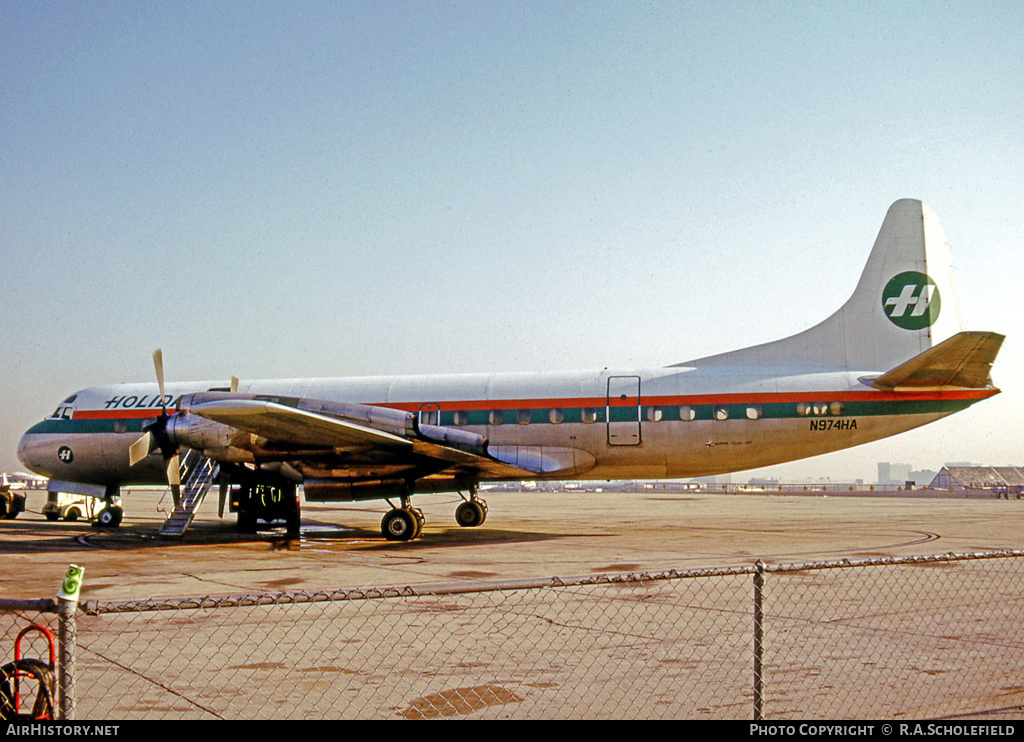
63 412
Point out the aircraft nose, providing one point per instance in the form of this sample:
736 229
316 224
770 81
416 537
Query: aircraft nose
23 449
29 452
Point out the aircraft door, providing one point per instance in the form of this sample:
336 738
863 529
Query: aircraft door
430 414
623 411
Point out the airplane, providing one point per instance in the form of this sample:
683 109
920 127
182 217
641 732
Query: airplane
8 485
894 357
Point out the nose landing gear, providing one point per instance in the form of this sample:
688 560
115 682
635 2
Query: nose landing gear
112 513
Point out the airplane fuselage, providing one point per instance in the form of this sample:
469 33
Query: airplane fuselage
637 423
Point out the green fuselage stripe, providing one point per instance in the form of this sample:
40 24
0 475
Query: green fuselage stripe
454 417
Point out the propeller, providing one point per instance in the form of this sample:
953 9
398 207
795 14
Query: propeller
155 436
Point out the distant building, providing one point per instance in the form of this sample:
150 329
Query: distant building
998 478
715 479
889 473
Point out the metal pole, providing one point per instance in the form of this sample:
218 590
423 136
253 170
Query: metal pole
67 642
758 640
67 607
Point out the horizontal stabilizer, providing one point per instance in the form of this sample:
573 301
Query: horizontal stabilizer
962 361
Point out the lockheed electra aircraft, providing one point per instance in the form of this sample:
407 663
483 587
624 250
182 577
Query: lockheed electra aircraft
895 356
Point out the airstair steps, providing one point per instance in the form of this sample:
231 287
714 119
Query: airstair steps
198 474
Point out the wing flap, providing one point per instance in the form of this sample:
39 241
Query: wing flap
963 361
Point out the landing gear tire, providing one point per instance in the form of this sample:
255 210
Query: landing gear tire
110 517
420 520
400 525
471 514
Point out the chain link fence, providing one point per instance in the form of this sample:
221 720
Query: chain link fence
919 637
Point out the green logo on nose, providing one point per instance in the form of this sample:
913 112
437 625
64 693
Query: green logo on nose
911 301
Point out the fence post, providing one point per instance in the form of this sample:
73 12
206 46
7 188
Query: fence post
67 641
758 640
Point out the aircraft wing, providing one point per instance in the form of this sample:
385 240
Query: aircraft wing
294 426
355 439
961 361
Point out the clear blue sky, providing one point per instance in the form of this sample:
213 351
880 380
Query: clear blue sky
345 188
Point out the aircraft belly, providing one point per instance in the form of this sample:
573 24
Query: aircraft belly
699 449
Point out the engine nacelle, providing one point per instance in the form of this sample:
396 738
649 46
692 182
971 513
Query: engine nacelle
193 431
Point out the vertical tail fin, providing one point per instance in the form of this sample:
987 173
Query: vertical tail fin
905 303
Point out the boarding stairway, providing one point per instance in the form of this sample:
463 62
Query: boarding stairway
198 474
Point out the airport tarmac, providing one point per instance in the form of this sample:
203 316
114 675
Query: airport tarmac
526 535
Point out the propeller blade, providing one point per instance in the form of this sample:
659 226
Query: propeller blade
234 383
158 363
174 478
223 498
173 473
142 448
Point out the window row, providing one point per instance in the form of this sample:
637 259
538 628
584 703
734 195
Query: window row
652 414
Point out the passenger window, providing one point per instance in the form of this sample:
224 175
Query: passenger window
753 411
721 412
687 413
496 417
837 408
460 417
525 417
803 409
654 414
588 415
556 416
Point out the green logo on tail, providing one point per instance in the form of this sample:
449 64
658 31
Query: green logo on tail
911 301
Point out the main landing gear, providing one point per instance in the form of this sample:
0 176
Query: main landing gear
471 513
402 524
406 522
